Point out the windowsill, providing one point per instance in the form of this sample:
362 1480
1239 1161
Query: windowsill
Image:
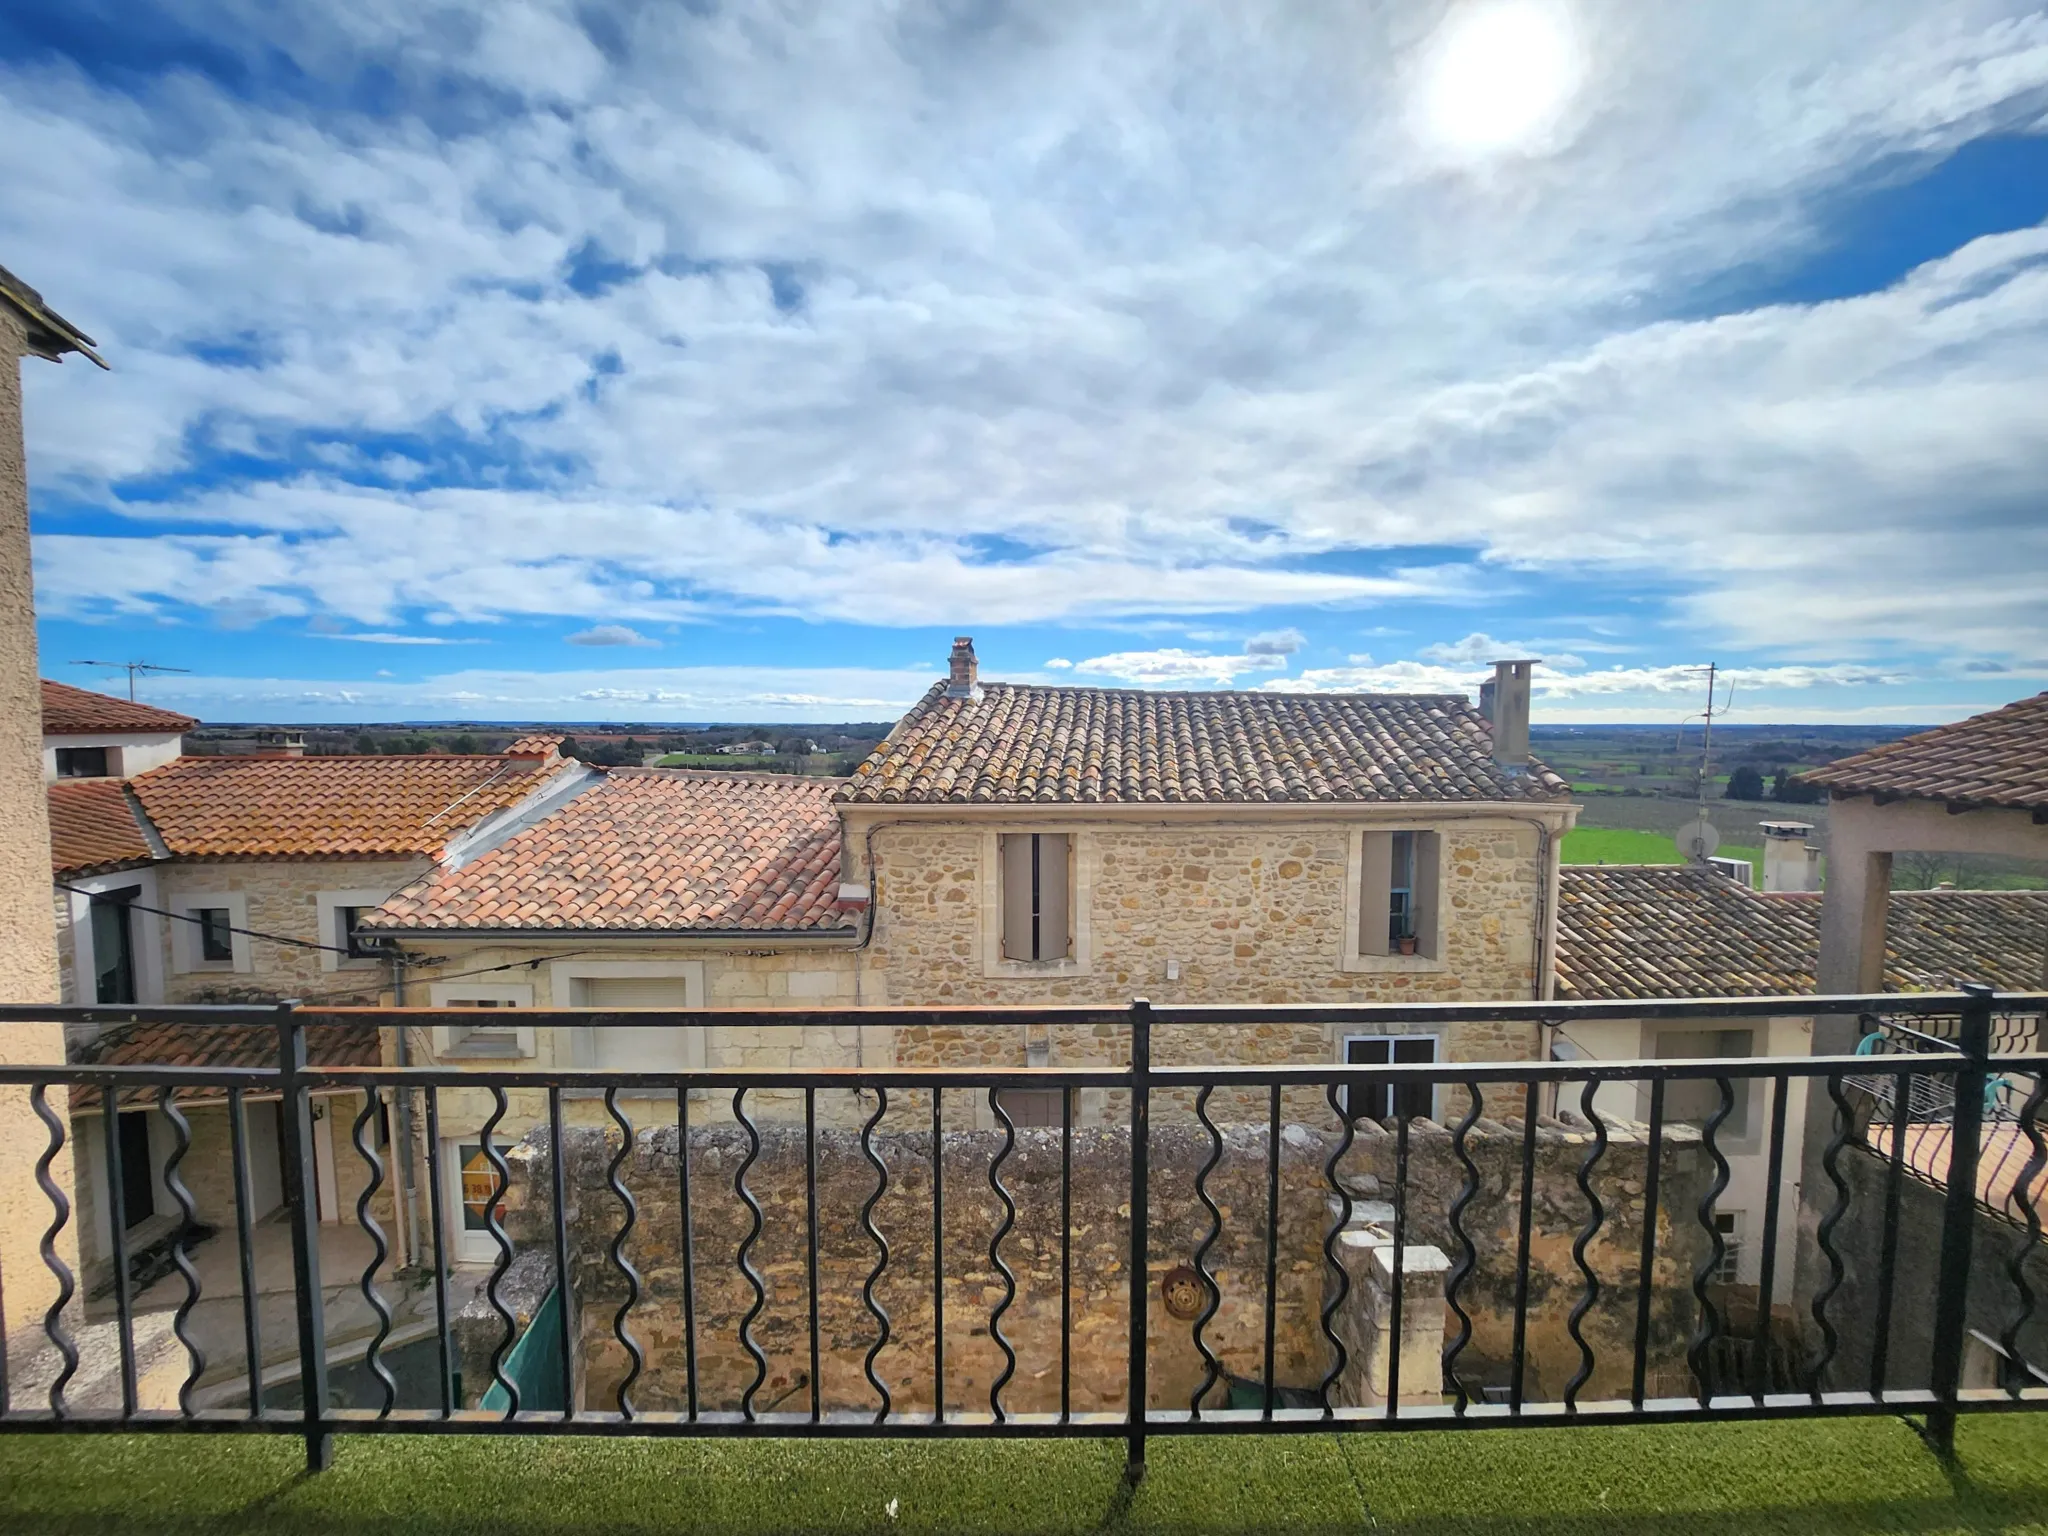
1396 965
503 1048
1027 970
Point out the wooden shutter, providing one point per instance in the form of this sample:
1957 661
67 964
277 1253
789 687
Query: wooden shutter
1016 914
1375 890
1428 861
1055 938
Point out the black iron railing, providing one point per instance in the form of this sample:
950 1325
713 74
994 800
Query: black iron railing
859 1251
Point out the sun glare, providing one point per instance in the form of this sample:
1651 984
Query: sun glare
1498 72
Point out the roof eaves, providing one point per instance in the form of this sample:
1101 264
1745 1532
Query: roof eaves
49 334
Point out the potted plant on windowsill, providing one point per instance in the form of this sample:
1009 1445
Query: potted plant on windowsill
1405 944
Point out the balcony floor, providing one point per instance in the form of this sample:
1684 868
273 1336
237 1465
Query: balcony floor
1810 1478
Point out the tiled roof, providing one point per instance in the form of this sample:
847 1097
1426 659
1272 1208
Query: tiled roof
328 807
93 828
215 1045
69 711
49 333
650 849
1128 746
536 746
1994 759
1676 931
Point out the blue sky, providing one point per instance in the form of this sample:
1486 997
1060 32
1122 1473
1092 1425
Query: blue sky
598 360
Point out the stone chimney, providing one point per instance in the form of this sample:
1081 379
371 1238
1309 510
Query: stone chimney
281 744
1504 699
1791 863
963 671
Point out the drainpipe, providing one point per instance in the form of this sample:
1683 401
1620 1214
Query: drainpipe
408 1180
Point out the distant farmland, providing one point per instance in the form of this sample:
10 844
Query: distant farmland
1619 845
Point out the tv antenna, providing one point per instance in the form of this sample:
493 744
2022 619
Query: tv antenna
134 669
1698 840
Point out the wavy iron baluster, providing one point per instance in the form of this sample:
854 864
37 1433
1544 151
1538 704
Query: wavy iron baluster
1341 1356
372 1358
497 1231
1468 1260
1824 1236
1709 1328
60 1208
619 1260
995 1258
1212 1297
1596 1214
2015 1264
867 1221
741 1259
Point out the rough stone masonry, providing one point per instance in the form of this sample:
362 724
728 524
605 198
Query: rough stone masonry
1098 1297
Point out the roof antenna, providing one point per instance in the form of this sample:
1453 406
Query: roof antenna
131 668
1698 839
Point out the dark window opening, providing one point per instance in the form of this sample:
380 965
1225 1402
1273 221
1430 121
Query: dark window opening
1381 1100
81 762
358 946
1401 891
216 937
138 1179
113 946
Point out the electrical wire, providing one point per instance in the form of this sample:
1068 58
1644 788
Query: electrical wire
187 917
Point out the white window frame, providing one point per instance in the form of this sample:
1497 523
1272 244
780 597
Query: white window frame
328 905
148 933
186 954
465 1246
1436 1057
582 1045
1081 865
1349 957
454 994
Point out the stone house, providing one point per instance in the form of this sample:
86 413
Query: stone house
238 880
1687 931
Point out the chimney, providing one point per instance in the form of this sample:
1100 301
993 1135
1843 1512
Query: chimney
1790 862
963 670
1505 701
281 744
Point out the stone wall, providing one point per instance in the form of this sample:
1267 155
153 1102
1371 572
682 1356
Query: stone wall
1099 1294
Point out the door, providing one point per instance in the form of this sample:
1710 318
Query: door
1383 1100
471 1181
656 1048
138 1177
113 945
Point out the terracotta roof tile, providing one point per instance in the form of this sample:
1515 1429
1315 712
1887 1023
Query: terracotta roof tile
93 828
1676 931
69 711
1129 746
329 807
215 1045
650 849
1994 759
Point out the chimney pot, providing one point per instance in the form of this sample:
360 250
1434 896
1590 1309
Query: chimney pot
963 671
1505 699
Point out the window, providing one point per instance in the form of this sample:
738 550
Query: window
1031 1106
1382 1100
216 934
1695 1101
81 762
356 945
1729 1225
489 1037
475 1181
113 945
1035 896
1397 899
628 984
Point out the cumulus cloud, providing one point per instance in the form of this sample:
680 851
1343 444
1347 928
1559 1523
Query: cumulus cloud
1036 314
1276 642
611 634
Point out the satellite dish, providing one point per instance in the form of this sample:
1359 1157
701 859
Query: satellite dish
1698 839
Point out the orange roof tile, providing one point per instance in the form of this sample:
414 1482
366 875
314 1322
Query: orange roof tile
93 828
536 746
329 807
1994 759
1129 746
214 1045
69 711
654 850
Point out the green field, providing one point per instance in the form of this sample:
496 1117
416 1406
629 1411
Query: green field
1619 845
711 760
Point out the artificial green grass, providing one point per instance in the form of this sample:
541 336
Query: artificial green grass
1812 1478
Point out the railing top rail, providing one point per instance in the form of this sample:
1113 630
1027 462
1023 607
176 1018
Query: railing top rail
1892 1005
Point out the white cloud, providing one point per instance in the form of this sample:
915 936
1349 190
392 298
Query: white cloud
378 637
1058 664
1276 642
1030 315
611 634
